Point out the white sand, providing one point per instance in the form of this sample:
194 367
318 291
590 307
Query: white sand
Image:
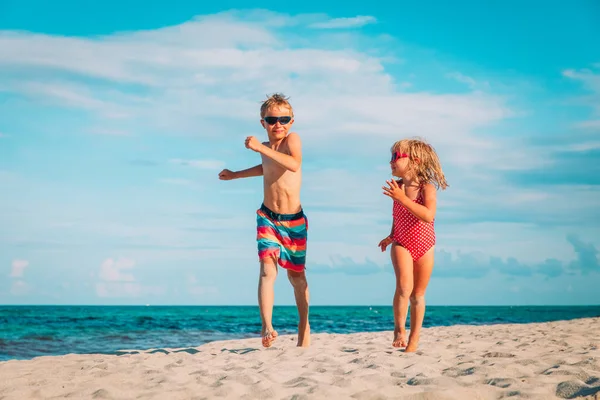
533 361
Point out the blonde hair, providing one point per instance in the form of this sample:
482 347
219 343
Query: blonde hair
275 100
424 161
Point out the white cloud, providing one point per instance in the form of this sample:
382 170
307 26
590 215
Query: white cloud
345 23
471 82
591 124
584 146
116 283
590 79
201 164
113 270
73 95
124 57
462 78
515 159
18 268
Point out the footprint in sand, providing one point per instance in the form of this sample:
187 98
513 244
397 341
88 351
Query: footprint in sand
189 351
349 350
300 382
418 381
515 394
497 354
500 382
457 372
239 351
574 372
574 389
158 351
101 394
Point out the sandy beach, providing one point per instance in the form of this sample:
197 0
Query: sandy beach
533 361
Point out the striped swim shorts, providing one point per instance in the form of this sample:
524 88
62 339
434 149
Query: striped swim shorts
283 237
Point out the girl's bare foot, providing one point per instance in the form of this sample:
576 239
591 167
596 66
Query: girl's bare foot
268 337
413 345
399 338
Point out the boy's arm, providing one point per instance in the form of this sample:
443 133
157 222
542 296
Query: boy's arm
227 175
257 170
290 162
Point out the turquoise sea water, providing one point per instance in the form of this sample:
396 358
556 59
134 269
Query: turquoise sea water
31 331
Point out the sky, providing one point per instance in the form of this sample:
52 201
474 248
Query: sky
116 118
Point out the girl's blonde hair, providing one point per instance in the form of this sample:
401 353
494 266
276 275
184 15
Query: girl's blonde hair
424 161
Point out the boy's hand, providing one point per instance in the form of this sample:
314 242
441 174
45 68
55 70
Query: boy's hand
385 243
395 191
226 175
253 143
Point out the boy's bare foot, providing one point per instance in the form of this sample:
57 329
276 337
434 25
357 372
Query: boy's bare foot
399 338
268 337
304 336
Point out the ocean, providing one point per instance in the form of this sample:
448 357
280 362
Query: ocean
31 331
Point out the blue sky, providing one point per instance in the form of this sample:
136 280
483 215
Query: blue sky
116 118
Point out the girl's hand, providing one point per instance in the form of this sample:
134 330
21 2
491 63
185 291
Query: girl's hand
385 243
395 191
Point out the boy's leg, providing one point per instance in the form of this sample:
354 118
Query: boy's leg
403 268
300 284
422 273
266 298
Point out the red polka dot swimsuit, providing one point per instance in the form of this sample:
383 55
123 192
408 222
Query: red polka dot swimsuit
410 232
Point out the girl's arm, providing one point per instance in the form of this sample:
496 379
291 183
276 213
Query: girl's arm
385 242
425 212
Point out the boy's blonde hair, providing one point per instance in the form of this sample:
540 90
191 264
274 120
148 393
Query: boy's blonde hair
275 100
423 160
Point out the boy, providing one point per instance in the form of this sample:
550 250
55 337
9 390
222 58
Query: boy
281 223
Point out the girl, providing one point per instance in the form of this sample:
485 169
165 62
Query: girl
412 235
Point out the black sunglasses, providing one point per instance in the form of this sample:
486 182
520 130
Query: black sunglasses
273 120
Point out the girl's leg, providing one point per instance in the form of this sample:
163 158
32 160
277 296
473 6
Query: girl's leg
403 268
422 273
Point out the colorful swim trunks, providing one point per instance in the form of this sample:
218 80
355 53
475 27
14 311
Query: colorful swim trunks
282 236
